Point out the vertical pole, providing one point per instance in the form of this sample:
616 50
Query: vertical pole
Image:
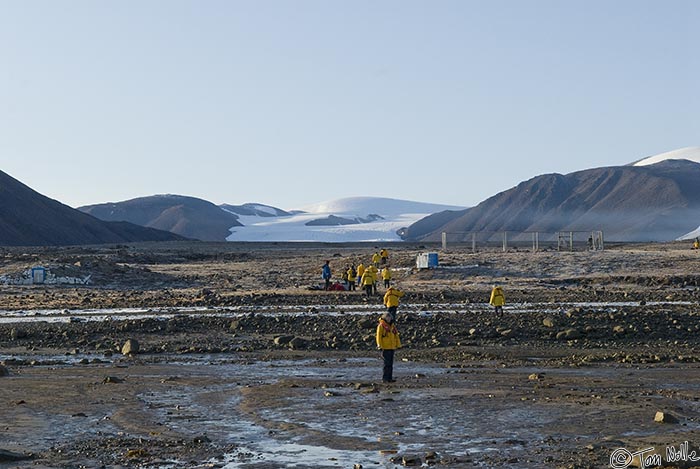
571 240
444 241
505 241
558 241
601 240
473 243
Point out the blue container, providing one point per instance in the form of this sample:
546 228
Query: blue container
432 259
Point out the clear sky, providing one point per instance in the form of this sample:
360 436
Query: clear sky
293 102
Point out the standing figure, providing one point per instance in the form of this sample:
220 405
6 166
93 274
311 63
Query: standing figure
384 254
696 243
386 276
367 281
498 299
326 275
352 276
360 273
375 275
391 301
376 258
388 341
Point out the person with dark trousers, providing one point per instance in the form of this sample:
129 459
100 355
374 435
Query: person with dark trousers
391 301
388 341
326 274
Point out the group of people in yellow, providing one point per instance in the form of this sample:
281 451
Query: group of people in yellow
387 335
368 276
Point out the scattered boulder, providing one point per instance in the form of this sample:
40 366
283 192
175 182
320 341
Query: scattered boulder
534 377
4 371
10 456
568 334
619 329
409 461
130 347
665 417
112 379
298 343
548 322
283 339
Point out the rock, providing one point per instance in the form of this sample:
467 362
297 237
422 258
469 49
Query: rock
112 379
508 333
665 417
130 347
431 456
298 343
548 322
619 329
235 324
534 377
569 334
4 371
472 331
17 334
411 461
283 339
357 466
9 456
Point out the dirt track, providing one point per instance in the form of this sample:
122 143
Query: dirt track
590 347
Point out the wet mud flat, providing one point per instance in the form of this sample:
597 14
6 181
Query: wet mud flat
241 365
328 410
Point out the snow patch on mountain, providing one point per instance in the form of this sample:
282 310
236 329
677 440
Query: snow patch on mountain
394 213
687 153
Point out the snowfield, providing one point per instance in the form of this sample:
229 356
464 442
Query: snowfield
688 153
394 213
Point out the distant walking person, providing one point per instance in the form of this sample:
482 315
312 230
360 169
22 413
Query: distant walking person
326 275
388 341
384 254
360 272
367 281
386 276
376 258
391 301
498 299
352 276
375 274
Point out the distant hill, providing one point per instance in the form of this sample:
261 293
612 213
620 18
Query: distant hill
28 218
186 216
648 202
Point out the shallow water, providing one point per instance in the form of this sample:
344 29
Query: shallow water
120 314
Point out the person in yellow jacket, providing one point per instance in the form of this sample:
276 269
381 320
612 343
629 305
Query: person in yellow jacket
375 274
360 272
498 299
386 276
696 243
376 258
391 301
367 281
352 276
384 254
388 341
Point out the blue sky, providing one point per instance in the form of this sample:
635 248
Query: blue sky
294 102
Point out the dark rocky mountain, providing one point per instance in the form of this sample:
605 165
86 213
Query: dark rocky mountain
658 202
28 218
186 216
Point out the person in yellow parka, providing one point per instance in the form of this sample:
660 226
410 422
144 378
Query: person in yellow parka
375 274
388 341
386 276
384 254
498 299
391 301
696 243
367 281
376 258
352 276
360 271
